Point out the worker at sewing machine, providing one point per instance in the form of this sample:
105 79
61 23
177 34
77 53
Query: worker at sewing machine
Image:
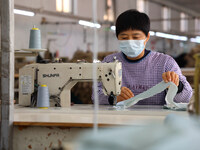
142 68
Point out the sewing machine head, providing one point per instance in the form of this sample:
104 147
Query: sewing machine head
61 77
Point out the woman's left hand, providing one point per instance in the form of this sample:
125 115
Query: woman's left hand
171 76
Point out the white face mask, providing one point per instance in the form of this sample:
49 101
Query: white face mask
132 48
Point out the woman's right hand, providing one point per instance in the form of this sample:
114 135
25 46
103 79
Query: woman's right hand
125 94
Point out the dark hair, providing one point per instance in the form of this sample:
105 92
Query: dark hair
132 19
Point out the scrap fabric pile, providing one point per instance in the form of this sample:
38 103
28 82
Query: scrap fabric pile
169 98
177 133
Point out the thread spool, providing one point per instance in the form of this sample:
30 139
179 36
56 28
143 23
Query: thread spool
35 38
43 97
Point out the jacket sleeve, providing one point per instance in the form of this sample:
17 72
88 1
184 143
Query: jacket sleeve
185 95
103 99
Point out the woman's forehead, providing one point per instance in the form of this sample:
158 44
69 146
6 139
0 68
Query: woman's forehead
131 32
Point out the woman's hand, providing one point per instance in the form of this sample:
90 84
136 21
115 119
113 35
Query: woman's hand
125 94
171 76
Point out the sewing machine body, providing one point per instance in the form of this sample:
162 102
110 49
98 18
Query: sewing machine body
61 77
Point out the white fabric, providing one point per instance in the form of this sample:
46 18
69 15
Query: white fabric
169 98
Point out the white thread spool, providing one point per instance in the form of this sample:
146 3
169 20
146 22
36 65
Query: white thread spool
35 38
43 97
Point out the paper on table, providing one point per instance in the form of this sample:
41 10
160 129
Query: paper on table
169 98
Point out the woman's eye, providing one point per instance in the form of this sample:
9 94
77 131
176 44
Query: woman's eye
136 38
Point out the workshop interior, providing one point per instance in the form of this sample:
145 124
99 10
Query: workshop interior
99 74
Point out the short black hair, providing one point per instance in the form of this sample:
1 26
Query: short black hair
132 19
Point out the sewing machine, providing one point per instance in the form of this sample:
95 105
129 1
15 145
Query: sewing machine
61 77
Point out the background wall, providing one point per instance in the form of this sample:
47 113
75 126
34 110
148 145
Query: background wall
69 37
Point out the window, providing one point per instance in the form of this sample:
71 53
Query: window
64 6
183 22
197 25
141 5
109 16
166 12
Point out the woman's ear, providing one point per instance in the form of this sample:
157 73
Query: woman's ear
147 39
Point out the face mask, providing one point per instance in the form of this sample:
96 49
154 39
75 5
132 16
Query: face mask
132 48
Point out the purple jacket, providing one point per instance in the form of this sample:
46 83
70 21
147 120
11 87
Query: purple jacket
142 75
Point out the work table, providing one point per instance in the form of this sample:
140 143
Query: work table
47 128
82 115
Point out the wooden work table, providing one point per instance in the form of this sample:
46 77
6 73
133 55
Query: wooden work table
82 115
47 128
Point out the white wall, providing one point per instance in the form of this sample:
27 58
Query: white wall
191 26
85 8
155 13
32 4
123 5
69 38
175 25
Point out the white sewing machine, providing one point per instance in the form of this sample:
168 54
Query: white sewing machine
61 77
